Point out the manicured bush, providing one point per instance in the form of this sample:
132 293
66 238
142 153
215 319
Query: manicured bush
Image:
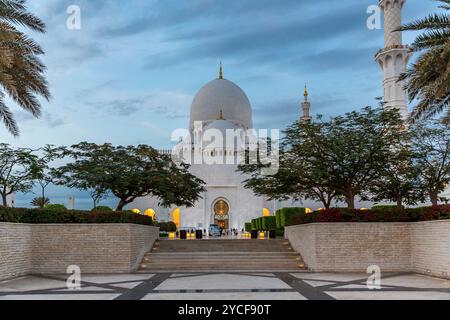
376 215
167 226
384 207
57 207
260 224
53 215
280 233
278 218
248 227
102 209
269 223
254 226
286 215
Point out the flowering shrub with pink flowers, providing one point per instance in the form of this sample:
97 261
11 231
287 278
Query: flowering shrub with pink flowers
375 215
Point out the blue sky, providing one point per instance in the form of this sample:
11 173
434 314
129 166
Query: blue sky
129 75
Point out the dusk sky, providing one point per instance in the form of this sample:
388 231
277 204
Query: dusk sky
130 74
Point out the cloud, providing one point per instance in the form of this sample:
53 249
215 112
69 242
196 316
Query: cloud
119 107
261 42
52 120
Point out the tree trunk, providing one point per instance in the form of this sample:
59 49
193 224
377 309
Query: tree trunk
399 202
350 199
434 196
4 198
121 205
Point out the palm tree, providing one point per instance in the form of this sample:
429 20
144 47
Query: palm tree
40 202
21 70
428 79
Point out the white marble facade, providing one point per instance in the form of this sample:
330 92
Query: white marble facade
219 106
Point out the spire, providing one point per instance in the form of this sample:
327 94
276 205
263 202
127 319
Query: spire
221 117
306 107
221 72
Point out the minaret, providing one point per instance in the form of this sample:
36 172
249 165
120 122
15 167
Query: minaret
394 57
221 72
306 107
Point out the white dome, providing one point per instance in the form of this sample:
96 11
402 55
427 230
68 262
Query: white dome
222 95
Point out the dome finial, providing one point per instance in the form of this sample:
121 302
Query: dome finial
221 117
306 93
221 72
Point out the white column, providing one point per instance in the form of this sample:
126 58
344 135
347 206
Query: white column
394 57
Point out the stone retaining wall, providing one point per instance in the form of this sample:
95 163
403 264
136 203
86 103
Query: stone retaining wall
422 247
51 248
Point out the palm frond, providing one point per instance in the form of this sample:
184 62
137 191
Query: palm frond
14 11
430 39
7 117
433 21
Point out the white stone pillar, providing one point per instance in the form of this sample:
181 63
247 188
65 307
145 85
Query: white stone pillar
394 57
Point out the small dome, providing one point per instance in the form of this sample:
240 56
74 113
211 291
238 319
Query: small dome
223 126
222 96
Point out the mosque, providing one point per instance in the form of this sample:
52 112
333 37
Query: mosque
219 107
222 106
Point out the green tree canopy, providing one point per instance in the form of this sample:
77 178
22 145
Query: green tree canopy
18 169
431 145
340 158
129 173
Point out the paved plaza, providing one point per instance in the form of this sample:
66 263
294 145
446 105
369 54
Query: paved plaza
227 286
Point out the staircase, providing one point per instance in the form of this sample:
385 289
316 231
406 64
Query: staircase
222 256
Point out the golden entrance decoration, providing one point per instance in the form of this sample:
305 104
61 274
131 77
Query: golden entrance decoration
221 212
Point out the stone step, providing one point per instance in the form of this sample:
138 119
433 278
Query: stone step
226 255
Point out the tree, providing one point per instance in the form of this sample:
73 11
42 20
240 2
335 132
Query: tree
297 177
45 177
428 79
336 159
129 173
431 145
18 170
399 181
40 202
22 72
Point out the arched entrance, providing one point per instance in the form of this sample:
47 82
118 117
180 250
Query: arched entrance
221 214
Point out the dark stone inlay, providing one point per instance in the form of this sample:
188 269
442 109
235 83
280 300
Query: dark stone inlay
144 288
306 290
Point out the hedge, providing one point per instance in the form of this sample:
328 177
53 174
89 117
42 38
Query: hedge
284 216
53 216
277 218
254 226
102 209
248 227
269 223
167 226
375 215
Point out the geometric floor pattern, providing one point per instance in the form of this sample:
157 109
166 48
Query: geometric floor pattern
227 286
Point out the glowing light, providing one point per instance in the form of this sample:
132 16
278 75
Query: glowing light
150 213
176 217
308 211
266 212
364 209
136 211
